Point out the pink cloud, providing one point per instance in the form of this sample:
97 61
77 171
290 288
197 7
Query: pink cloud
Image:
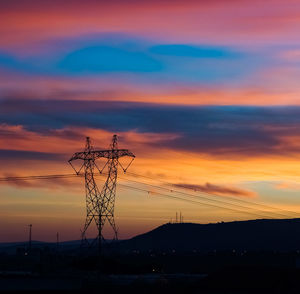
235 22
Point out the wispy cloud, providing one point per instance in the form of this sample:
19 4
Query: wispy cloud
50 183
217 189
293 186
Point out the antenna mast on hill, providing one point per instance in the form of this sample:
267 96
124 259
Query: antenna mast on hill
100 204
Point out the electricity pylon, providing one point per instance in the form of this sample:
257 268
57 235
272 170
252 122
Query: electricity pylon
100 205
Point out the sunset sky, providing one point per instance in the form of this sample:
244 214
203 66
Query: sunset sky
206 94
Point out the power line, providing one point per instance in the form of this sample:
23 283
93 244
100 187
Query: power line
206 199
55 176
189 200
266 213
229 198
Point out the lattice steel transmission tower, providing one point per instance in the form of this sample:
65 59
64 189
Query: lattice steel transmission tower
100 204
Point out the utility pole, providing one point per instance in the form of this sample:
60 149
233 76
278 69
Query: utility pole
100 204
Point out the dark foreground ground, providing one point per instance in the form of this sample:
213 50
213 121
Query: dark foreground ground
171 272
234 280
259 256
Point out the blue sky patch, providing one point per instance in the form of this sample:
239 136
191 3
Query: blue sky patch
192 51
99 59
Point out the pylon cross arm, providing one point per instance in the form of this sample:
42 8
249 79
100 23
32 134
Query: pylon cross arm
91 155
112 153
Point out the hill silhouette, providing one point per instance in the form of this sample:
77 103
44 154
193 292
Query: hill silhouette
262 235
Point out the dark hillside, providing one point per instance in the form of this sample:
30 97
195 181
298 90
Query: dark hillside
264 234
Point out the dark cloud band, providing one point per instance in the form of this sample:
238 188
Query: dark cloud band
11 155
214 130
